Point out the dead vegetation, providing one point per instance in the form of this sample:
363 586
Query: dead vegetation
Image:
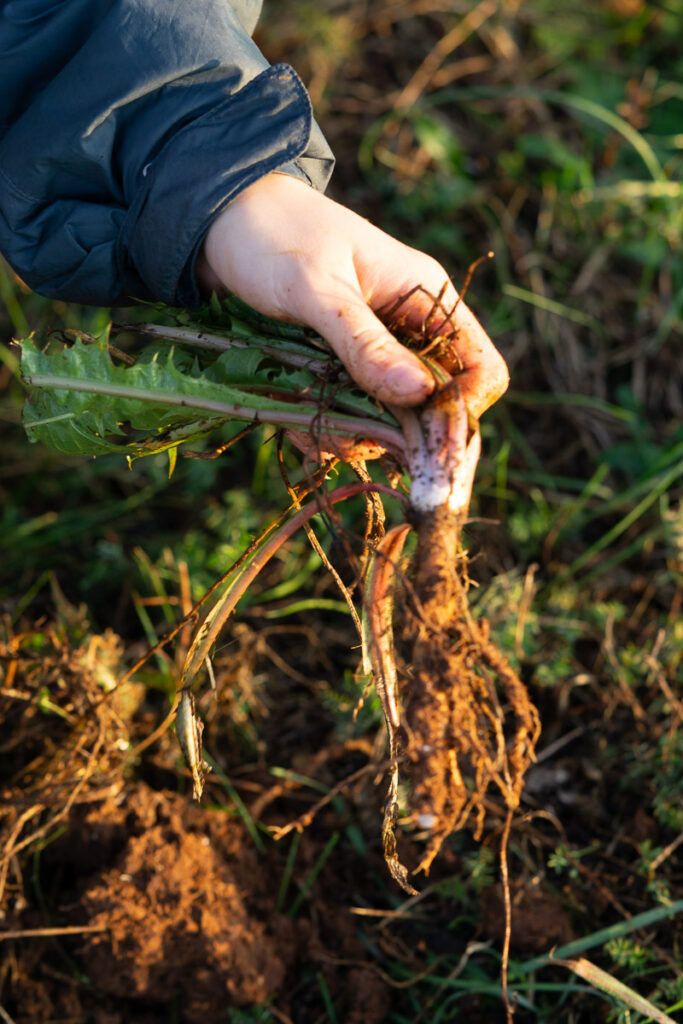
64 744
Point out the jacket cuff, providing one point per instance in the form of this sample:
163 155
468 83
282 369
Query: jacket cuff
264 127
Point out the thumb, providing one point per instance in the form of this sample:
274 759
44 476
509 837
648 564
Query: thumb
376 361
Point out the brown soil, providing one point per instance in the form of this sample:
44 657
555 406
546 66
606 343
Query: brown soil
173 913
539 919
177 911
165 896
173 906
131 903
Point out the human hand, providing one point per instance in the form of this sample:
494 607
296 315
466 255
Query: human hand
294 254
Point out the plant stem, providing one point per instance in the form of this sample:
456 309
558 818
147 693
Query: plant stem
223 609
306 417
221 343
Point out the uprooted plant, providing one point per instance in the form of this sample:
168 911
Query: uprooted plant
458 717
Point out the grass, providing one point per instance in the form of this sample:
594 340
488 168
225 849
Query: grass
563 154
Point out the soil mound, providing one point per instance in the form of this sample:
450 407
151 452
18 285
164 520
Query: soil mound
179 910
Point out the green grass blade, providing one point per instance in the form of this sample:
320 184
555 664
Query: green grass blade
301 780
602 980
239 803
307 604
11 362
570 100
12 303
599 938
628 520
313 874
606 565
577 316
327 999
575 399
287 873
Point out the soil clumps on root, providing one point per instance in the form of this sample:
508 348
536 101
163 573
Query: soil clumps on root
469 721
460 719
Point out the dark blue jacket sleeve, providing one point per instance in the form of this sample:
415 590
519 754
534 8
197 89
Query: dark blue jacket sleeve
126 126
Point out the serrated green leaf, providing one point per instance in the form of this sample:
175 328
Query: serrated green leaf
82 403
249 368
82 422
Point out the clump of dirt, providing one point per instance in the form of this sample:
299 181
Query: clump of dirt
539 918
123 902
170 905
178 909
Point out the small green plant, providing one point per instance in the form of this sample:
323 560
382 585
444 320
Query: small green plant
480 866
563 859
629 954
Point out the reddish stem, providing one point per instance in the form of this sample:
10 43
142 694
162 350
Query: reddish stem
221 612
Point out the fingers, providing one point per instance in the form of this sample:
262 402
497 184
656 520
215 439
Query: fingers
422 280
485 377
297 255
373 357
